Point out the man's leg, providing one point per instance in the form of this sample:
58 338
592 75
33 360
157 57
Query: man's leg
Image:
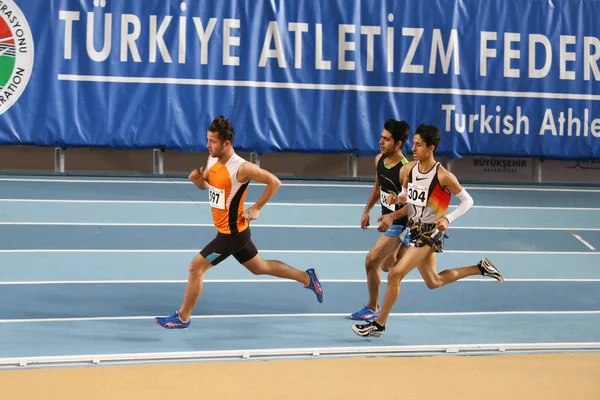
380 254
212 254
196 269
384 247
259 266
392 260
249 258
377 259
181 318
433 280
413 257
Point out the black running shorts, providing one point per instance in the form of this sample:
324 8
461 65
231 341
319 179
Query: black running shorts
238 245
426 235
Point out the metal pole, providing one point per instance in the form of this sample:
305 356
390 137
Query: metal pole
255 158
59 160
449 165
158 166
537 170
352 165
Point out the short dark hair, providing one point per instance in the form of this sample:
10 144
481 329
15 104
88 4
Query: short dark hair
430 134
223 127
400 130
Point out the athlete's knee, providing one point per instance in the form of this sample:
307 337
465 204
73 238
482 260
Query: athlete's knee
389 263
372 261
395 276
433 283
198 266
259 269
258 266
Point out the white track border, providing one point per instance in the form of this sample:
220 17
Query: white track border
359 351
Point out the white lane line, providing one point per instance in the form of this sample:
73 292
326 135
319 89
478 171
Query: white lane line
284 183
168 281
279 204
240 316
174 182
284 251
283 204
169 202
589 246
295 226
288 353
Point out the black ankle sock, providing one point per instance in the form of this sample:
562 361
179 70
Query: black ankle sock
481 270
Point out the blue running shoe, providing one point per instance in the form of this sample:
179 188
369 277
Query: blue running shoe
172 322
314 284
364 314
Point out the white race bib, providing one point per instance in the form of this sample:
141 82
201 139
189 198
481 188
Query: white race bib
384 201
417 195
216 197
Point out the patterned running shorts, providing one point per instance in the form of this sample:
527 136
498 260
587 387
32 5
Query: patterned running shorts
422 234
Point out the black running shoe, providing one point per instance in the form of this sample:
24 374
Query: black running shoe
488 269
369 329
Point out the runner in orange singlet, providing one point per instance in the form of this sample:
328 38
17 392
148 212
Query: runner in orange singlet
226 177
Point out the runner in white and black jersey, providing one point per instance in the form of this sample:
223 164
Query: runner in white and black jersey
393 241
427 188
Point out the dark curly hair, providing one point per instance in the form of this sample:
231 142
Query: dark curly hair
223 127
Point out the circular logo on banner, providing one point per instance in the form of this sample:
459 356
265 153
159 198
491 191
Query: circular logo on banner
16 54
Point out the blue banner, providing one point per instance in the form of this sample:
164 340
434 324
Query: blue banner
512 78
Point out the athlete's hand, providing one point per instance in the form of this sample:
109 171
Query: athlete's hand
441 224
197 176
385 222
251 213
365 220
395 199
391 198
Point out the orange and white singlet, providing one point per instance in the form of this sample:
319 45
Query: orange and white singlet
226 195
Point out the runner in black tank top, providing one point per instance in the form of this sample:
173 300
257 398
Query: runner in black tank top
393 240
426 187
389 182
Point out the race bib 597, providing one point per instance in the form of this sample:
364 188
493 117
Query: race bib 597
216 197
